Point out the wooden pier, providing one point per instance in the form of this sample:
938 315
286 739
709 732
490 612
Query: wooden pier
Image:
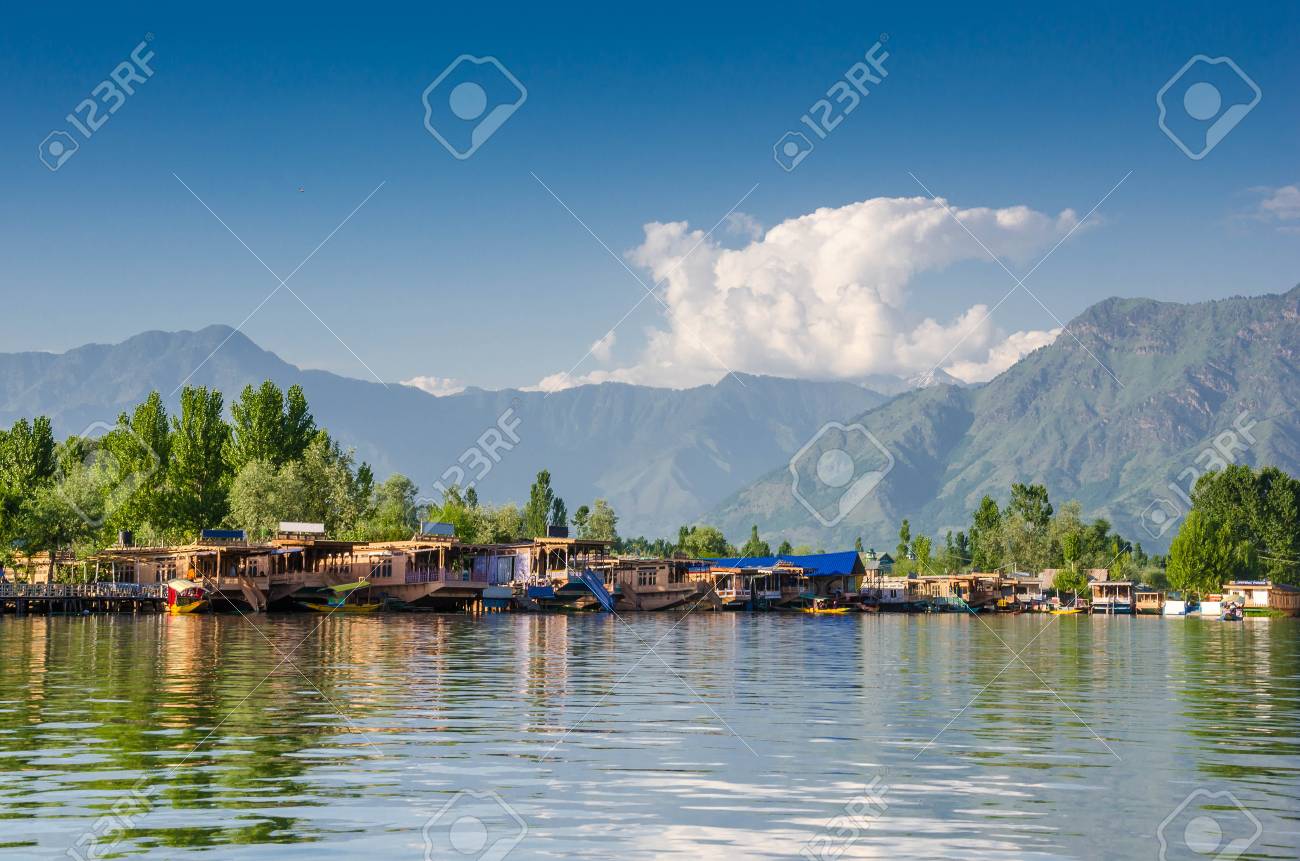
79 598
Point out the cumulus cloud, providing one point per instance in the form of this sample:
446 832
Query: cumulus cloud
743 224
830 294
1002 356
436 386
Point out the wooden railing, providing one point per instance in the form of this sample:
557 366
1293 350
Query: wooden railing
83 590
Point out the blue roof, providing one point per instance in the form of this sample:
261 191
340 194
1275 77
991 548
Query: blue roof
822 564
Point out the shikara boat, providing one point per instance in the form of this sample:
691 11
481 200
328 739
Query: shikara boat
823 606
335 599
185 596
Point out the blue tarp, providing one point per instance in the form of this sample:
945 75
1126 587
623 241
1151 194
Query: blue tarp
822 564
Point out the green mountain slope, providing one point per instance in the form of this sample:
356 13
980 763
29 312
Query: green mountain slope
1182 374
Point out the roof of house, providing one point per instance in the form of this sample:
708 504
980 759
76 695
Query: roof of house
819 564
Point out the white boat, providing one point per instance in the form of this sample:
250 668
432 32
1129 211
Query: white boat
1174 607
1212 606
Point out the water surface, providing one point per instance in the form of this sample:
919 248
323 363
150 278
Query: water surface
656 736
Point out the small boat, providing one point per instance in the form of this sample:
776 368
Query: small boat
823 606
334 599
343 607
1232 612
185 596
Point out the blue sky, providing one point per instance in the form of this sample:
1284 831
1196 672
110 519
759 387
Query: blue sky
470 269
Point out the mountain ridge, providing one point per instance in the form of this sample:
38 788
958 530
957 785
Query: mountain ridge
662 456
1182 374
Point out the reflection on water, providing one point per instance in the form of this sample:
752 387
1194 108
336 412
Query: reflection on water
737 736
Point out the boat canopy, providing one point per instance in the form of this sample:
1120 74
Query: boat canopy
349 587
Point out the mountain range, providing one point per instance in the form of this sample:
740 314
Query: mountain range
1120 412
662 457
1117 413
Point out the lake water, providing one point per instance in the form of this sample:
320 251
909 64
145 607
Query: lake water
738 736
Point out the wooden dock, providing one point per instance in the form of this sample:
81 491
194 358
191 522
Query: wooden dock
80 598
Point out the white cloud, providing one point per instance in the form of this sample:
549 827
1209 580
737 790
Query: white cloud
830 294
1002 356
436 386
1281 204
743 224
602 349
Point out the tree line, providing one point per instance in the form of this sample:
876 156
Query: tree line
167 477
1244 524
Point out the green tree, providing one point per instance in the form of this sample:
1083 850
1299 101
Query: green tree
468 521
904 541
1030 502
392 514
198 474
504 524
1071 547
755 547
269 426
299 424
559 513
921 549
963 550
1258 507
256 499
325 486
1069 582
785 549
985 536
602 524
703 542
1200 555
140 452
538 510
580 518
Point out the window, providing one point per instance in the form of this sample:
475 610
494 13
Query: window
647 577
677 574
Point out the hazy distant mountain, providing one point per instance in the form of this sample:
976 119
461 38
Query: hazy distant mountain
1185 373
661 456
936 377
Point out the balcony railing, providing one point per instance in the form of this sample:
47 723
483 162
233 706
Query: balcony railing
439 575
83 590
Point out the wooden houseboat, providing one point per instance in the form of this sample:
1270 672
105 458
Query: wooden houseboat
1150 602
1111 597
654 584
1263 598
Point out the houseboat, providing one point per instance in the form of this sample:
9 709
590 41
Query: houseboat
1112 597
1150 602
654 584
1263 598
